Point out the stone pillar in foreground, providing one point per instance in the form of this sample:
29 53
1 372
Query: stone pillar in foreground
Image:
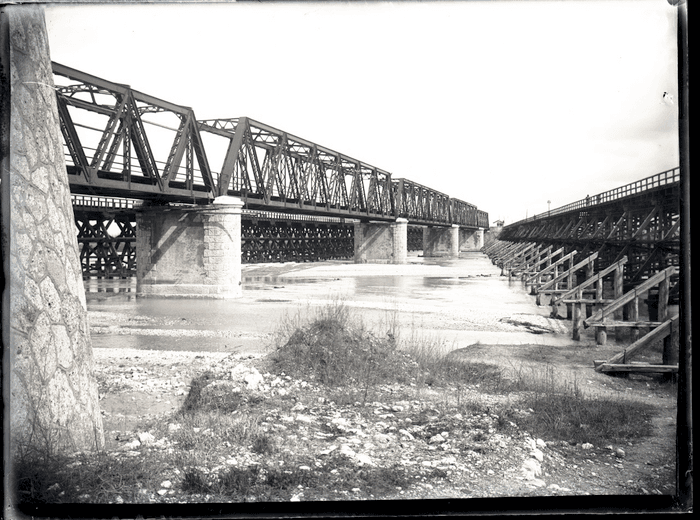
381 242
441 241
189 251
53 398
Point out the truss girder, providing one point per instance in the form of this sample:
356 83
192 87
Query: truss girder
116 124
116 147
269 167
643 225
289 241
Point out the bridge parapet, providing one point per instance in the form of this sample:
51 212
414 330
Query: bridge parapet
664 179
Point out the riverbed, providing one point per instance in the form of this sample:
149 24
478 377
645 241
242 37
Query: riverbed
462 301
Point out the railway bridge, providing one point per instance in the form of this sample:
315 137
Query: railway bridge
146 198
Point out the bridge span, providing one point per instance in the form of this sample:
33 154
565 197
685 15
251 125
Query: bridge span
605 258
132 158
123 143
639 221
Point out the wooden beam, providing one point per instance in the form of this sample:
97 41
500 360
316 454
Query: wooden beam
570 271
658 333
617 266
631 296
615 324
607 367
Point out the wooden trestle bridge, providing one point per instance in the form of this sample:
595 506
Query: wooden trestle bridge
611 261
125 148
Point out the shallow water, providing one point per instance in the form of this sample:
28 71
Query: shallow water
461 300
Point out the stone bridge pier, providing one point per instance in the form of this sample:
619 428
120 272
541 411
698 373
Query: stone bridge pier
189 251
449 241
381 242
441 241
471 239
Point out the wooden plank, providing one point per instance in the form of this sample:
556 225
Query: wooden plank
617 266
584 300
550 267
547 258
631 296
613 324
658 333
522 252
587 261
607 367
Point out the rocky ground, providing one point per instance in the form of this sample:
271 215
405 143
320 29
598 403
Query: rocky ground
437 446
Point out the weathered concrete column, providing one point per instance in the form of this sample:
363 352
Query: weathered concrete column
381 242
189 252
471 239
53 398
441 241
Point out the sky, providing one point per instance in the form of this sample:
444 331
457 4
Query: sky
503 104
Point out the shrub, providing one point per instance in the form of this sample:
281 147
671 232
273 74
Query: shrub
336 350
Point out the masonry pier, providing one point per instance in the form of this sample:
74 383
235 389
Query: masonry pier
471 239
449 241
189 251
381 242
441 241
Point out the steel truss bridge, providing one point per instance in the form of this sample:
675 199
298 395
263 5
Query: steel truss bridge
125 148
639 221
123 143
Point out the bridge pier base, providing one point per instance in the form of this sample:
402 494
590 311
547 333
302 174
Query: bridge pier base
189 252
471 239
441 241
381 242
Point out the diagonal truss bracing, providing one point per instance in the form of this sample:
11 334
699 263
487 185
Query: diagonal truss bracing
269 167
123 143
111 152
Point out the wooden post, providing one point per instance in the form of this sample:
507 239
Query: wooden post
601 335
662 304
570 281
671 349
555 309
634 316
577 321
617 292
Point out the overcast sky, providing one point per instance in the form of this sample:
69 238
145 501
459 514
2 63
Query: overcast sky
503 104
